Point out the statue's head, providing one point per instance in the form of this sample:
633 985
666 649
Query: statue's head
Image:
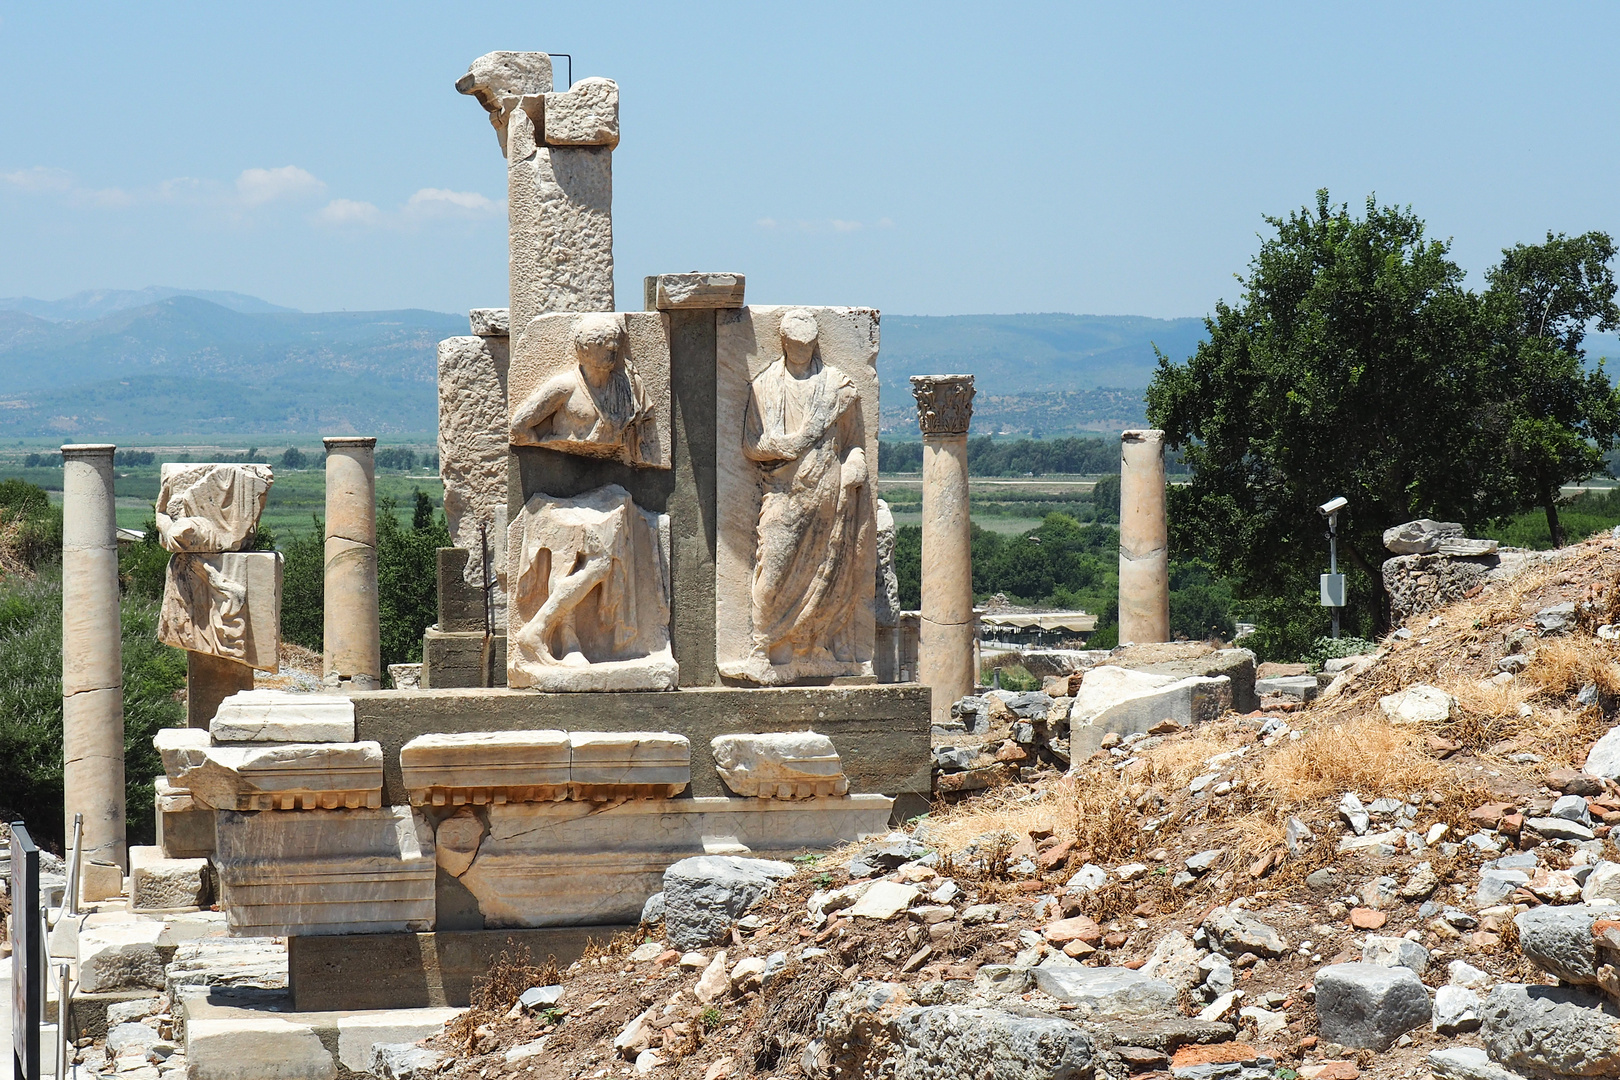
597 341
799 327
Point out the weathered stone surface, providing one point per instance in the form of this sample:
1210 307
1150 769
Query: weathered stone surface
178 749
672 292
1559 941
486 766
1550 1032
1603 759
1114 699
1298 687
1106 992
628 764
358 1034
947 626
586 114
351 651
1497 885
1144 546
1233 932
1395 952
949 1042
781 765
797 401
703 896
1420 537
1456 1009
490 321
1466 1063
226 605
502 80
256 1048
1175 960
277 716
1603 883
473 448
121 956
456 840
282 776
326 872
210 508
159 884
594 384
404 1061
1417 705
1368 1006
589 595
1553 828
1236 664
1420 583
530 865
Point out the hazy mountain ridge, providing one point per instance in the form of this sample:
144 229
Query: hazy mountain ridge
97 303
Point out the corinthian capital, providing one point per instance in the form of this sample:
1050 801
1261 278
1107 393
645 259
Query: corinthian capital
944 403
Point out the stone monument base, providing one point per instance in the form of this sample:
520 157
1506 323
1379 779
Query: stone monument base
453 659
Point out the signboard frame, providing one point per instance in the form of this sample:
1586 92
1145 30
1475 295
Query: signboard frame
27 956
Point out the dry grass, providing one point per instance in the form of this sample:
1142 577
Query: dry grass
1174 763
1003 810
493 995
1365 754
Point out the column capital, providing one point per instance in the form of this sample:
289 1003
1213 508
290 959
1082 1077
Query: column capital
88 450
944 403
365 442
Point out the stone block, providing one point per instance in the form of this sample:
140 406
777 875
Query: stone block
1298 687
461 603
1558 939
177 749
1467 1063
940 1041
1368 1006
1236 664
185 830
1118 700
251 963
479 767
489 321
1395 952
578 863
796 540
256 1048
1420 537
472 454
225 604
253 716
705 895
612 765
673 292
559 199
283 776
881 732
210 508
457 660
405 676
1102 993
586 114
780 765
162 884
357 1034
326 872
1551 1031
122 956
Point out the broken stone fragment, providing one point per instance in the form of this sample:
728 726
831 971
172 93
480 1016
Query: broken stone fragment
611 765
785 765
283 776
1368 1006
481 767
278 716
210 508
586 114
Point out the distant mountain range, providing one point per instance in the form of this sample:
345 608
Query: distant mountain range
119 364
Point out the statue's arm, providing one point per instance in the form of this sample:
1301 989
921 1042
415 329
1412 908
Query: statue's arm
537 408
757 444
851 433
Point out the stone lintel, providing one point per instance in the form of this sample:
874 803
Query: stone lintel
696 290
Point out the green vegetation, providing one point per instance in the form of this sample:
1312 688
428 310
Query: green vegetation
988 456
1356 363
1580 515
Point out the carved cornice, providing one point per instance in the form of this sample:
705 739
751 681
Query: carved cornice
944 403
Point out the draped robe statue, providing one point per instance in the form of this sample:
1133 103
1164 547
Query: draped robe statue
599 408
804 429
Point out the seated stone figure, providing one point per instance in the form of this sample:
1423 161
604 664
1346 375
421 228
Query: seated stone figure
598 409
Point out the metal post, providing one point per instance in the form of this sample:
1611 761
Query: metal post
1333 562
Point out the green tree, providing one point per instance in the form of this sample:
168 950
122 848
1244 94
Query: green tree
1352 364
407 577
303 586
1556 418
293 458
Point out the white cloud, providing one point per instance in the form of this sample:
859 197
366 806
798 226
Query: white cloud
441 199
349 212
43 180
255 187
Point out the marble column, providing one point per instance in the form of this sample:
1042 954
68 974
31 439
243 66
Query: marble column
352 642
92 665
945 645
1144 543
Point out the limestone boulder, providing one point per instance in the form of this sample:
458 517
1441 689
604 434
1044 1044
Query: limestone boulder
1548 1032
256 1048
1456 1010
1417 705
1559 941
1395 952
160 884
1124 702
1368 1006
782 765
948 1042
1104 992
1420 537
1467 1063
1200 660
705 895
122 956
1603 759
1233 932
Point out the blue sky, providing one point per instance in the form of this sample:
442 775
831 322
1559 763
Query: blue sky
922 158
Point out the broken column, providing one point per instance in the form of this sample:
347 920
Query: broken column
1144 542
352 643
92 666
945 648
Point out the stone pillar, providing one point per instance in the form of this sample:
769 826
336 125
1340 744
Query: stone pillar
92 665
1144 543
210 680
352 639
945 649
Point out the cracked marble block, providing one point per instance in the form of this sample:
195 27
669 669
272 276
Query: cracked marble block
784 765
210 507
611 766
226 604
282 776
254 716
368 871
483 767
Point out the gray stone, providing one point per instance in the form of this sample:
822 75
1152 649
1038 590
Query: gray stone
892 852
1204 860
1456 1009
1175 960
1115 699
1604 758
1297 835
703 896
652 912
1559 941
404 1061
1367 1006
1554 828
1572 808
1353 813
1395 952
1417 704
1298 687
1233 932
131 1036
948 1042
1467 1063
1421 537
1236 664
1603 883
1551 1031
1497 885
1107 991
1557 619
123 1012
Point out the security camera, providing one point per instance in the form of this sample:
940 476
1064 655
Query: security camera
1333 506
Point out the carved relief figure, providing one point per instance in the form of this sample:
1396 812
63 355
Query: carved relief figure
600 408
210 507
203 608
589 608
804 429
